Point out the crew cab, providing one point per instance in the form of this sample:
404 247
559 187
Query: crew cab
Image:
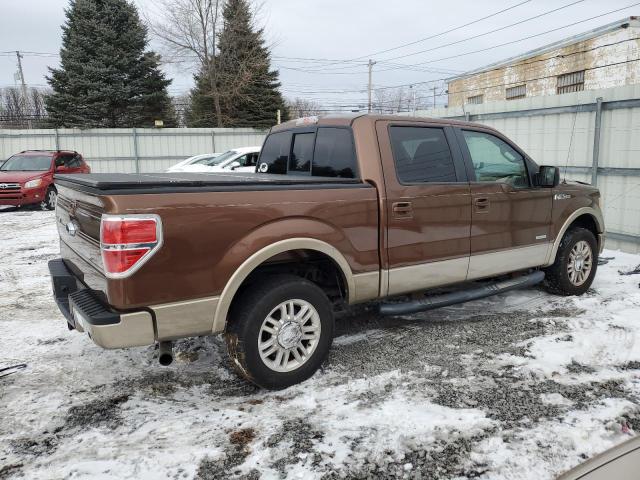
26 178
344 210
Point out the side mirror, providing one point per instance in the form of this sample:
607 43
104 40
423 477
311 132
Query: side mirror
234 165
547 177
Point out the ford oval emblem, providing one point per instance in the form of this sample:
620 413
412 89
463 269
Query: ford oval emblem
72 228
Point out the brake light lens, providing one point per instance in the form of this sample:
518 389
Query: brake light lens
122 230
127 242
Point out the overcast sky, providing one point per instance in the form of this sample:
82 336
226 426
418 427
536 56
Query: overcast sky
341 29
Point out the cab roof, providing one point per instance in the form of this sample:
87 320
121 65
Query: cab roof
347 120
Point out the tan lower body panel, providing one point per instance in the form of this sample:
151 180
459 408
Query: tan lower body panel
416 278
196 317
185 319
133 330
504 261
366 286
427 275
601 240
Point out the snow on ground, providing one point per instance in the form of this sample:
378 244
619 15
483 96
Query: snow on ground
520 386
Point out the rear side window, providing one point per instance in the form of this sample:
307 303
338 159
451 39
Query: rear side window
325 152
75 161
275 153
334 155
302 153
422 155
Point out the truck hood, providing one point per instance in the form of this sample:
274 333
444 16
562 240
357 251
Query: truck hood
573 185
19 177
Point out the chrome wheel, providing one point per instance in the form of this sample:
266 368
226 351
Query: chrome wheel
289 335
580 263
49 202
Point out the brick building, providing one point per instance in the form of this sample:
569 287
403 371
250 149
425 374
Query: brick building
608 56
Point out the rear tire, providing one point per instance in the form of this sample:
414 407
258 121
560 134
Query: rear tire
280 331
49 201
576 263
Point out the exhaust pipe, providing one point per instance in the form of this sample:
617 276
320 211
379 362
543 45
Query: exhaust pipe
165 353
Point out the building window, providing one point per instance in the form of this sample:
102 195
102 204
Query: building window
519 91
475 100
571 82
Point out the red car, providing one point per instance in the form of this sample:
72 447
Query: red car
26 178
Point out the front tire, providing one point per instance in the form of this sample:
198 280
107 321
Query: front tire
280 331
49 202
576 263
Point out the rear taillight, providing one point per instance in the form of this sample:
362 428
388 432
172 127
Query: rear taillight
127 242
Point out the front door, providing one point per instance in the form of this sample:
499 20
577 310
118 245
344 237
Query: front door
511 219
427 206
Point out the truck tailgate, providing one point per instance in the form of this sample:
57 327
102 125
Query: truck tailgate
78 221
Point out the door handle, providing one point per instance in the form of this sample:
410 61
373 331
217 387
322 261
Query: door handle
482 204
402 209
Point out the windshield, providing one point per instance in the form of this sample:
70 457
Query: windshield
203 160
27 163
220 159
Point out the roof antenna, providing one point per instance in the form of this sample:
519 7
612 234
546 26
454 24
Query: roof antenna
573 128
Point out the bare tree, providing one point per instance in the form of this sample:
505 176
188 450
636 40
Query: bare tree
38 108
396 100
188 30
16 113
301 107
181 106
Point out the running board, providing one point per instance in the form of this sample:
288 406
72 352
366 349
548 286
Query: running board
446 299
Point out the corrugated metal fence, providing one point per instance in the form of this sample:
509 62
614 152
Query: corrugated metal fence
593 136
131 149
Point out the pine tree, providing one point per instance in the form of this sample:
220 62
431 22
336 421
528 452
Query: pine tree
201 110
246 85
106 78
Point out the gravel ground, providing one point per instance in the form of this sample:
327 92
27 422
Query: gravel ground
523 385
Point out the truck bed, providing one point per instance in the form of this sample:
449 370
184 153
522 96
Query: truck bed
140 183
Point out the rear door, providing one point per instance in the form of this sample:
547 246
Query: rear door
511 218
428 205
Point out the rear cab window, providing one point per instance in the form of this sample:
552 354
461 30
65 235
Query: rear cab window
302 153
317 151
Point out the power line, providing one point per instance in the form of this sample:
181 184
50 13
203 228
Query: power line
368 55
527 37
474 51
486 87
473 37
307 91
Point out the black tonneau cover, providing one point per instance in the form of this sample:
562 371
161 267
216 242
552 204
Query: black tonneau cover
135 183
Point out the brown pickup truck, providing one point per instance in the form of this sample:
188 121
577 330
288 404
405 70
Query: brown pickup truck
344 210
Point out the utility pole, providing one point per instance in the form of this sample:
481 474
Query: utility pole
434 96
371 64
413 102
24 89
